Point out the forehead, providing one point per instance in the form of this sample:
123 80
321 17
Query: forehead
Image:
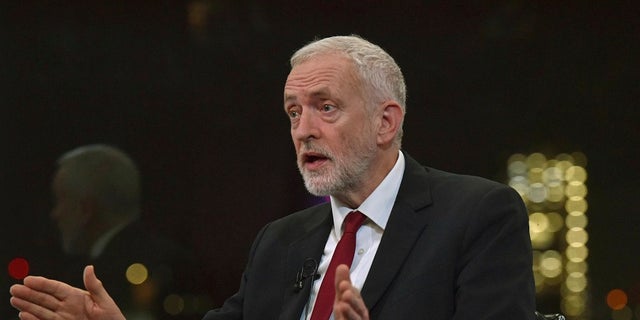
321 73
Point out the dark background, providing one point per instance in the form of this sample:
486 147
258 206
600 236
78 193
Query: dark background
193 91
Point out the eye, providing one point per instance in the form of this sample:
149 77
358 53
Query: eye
327 107
293 113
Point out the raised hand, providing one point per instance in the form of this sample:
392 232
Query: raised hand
348 304
39 298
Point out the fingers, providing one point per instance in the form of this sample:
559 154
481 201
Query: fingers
57 289
99 294
25 298
28 310
27 316
342 274
95 287
348 303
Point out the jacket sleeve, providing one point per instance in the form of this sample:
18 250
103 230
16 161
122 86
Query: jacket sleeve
495 279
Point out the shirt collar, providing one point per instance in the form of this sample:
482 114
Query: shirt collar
377 207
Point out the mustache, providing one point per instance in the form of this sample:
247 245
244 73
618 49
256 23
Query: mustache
309 147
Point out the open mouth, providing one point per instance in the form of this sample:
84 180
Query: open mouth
312 160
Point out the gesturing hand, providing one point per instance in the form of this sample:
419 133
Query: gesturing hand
348 304
39 298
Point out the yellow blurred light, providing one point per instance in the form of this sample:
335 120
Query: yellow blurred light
577 253
576 219
552 282
541 240
536 160
576 204
556 222
535 175
622 314
137 273
564 165
173 304
573 305
555 192
565 157
576 267
538 222
520 184
552 175
576 189
537 192
517 168
576 282
551 264
576 173
516 157
577 236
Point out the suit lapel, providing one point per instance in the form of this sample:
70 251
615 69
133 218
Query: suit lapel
309 244
405 225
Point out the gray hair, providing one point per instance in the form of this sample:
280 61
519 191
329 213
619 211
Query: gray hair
380 75
105 173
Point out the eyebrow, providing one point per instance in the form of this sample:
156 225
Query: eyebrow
319 93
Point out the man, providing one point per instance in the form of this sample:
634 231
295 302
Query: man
433 245
96 191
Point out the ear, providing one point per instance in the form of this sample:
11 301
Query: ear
390 122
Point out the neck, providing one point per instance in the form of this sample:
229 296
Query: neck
379 169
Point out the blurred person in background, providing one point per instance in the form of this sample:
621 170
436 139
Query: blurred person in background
97 209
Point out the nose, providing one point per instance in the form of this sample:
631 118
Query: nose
307 127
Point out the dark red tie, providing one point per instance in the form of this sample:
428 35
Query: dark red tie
342 255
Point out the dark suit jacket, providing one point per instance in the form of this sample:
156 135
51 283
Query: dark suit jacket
455 247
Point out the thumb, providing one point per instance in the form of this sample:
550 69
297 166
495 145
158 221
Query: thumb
94 286
342 274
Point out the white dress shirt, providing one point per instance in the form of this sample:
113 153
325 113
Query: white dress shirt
377 207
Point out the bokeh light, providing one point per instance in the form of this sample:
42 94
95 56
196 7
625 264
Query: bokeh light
576 204
576 189
551 264
576 282
576 174
554 191
18 268
538 222
576 219
573 305
617 299
624 313
576 267
577 237
577 253
173 304
137 273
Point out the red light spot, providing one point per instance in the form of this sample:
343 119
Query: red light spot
19 268
616 299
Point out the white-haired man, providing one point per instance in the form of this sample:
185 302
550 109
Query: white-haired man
426 245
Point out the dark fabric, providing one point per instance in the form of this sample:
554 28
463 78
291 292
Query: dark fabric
455 247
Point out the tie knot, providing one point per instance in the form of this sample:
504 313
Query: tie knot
353 221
